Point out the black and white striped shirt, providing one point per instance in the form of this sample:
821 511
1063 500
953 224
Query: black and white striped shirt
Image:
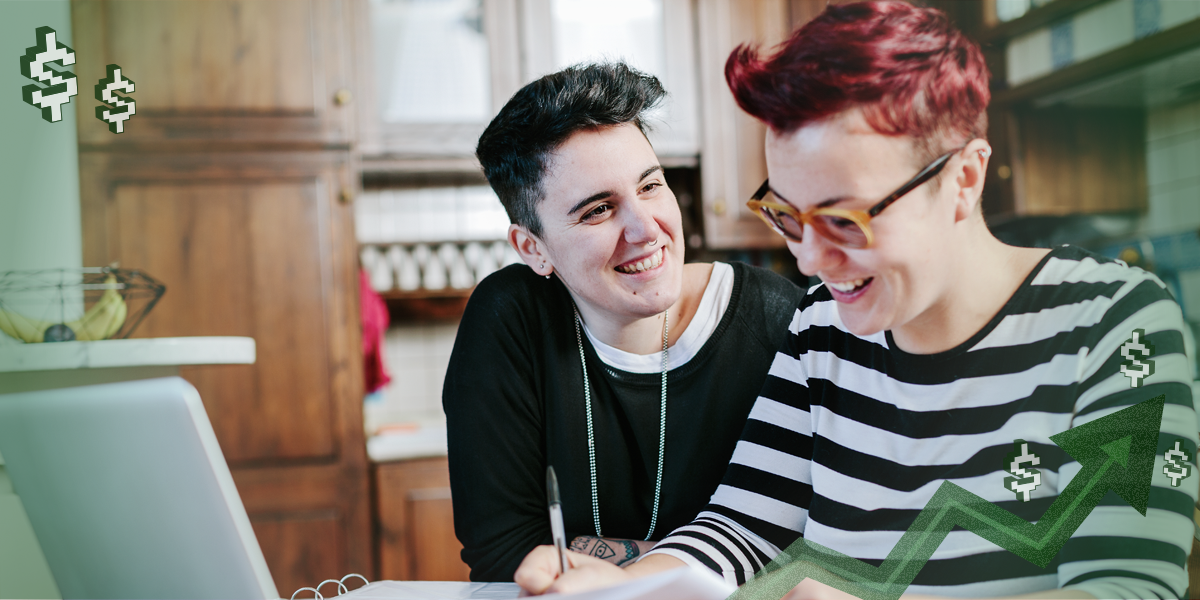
851 436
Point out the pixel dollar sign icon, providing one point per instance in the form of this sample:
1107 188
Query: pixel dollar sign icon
1177 467
1024 480
1136 353
61 85
121 107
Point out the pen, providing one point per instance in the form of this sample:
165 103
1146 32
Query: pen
556 519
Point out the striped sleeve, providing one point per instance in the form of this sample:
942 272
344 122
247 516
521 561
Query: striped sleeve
762 502
1116 552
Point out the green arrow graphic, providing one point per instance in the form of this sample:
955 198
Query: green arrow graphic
1115 452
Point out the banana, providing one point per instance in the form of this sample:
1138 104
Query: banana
103 320
118 319
22 328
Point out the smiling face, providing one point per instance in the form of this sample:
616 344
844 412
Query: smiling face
903 278
611 228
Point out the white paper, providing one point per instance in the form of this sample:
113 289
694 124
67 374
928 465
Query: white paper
685 583
434 590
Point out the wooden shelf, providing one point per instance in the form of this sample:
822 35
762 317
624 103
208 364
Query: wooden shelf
1037 17
422 294
426 305
1147 50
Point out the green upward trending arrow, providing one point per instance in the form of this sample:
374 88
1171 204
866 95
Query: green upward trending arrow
1115 452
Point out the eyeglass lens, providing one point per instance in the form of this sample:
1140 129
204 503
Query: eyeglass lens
839 230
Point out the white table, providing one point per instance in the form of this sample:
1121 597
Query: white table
30 367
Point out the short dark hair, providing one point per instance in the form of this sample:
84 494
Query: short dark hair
542 115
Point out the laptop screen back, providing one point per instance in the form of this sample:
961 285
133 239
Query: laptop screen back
129 494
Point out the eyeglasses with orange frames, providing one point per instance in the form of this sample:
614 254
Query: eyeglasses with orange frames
849 228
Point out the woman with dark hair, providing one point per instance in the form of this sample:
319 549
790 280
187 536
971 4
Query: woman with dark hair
604 355
929 347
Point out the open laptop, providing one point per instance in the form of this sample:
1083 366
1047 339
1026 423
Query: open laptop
129 494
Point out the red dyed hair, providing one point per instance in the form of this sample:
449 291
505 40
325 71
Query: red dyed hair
906 67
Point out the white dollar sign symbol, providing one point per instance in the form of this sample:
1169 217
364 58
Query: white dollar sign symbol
61 85
1137 365
1177 467
1023 481
122 107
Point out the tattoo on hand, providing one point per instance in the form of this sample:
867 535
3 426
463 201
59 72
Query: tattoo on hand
631 552
609 550
603 550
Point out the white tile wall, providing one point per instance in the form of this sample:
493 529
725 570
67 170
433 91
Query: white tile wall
1029 56
417 356
432 214
1102 28
1173 168
1173 177
1175 12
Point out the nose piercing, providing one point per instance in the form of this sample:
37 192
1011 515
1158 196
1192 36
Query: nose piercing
655 242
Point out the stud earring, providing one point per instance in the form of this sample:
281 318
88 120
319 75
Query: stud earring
985 152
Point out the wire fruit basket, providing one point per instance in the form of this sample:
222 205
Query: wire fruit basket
63 305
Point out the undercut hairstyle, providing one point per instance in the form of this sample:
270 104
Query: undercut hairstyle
906 67
516 147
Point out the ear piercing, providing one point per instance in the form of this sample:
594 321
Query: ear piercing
985 152
542 267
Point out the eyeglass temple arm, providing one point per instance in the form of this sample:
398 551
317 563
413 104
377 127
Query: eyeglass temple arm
933 169
762 191
928 172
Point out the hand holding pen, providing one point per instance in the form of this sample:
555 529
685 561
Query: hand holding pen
557 530
554 569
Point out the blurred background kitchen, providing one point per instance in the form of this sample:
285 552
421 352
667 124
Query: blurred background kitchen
280 146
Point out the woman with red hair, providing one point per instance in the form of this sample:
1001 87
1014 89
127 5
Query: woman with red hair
930 351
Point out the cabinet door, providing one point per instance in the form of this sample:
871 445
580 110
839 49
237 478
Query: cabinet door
1073 160
732 164
250 245
415 520
219 70
257 245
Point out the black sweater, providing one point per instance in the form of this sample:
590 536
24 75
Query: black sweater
514 403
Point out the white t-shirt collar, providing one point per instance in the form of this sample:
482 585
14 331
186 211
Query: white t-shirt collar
708 314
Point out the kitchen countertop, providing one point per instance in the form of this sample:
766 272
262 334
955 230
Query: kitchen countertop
31 367
419 438
127 353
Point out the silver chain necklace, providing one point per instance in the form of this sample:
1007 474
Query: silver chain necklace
662 430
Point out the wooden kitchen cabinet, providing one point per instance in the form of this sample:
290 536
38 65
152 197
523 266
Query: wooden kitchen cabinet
416 522
732 159
208 72
231 185
256 244
1073 160
732 163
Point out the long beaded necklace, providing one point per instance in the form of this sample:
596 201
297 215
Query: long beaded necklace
662 430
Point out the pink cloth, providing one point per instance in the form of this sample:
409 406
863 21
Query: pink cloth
374 324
